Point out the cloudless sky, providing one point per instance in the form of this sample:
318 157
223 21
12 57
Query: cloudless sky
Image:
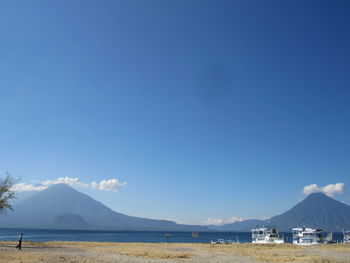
205 108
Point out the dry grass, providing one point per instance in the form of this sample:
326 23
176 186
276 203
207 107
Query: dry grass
96 252
279 253
343 248
327 260
148 250
144 250
38 252
37 257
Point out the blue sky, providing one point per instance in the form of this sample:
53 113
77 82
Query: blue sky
207 109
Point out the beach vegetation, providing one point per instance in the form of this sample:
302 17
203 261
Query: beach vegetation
6 194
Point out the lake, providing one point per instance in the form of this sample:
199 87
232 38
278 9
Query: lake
43 235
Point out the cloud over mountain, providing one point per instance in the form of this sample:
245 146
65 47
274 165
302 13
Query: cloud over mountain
329 190
65 180
221 221
22 187
104 185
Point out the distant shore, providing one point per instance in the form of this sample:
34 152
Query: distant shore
98 252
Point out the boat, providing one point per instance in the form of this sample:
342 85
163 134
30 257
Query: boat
223 241
346 235
195 234
329 239
266 235
231 241
218 241
309 236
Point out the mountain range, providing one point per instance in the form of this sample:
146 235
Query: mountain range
317 210
62 207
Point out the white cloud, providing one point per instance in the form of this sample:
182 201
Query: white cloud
177 221
21 187
108 185
221 221
329 190
105 185
65 180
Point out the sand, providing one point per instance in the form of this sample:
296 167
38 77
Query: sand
98 252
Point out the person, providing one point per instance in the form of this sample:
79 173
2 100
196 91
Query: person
19 246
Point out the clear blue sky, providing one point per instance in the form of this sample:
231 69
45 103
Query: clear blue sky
205 108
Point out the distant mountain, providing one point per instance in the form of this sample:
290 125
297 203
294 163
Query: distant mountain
24 195
62 207
316 211
241 226
70 221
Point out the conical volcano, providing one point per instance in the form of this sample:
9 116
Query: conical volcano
62 207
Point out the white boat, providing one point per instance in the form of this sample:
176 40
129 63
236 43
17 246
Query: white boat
346 235
223 241
266 235
218 241
307 236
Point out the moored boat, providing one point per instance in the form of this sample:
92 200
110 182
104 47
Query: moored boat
223 241
266 235
218 241
346 236
308 236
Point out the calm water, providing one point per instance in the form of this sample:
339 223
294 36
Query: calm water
128 236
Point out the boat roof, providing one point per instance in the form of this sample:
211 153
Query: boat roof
263 228
303 229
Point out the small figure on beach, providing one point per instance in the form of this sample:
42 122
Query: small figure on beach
19 246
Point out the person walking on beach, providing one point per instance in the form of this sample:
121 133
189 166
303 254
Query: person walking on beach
19 246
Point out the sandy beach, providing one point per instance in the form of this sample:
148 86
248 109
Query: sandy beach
98 252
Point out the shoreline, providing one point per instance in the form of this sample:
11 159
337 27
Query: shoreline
91 252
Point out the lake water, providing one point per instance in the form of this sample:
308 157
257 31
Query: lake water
129 236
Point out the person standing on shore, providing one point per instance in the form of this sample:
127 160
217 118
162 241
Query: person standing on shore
19 246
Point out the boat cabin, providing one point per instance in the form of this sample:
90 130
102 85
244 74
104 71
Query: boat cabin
307 236
266 235
346 235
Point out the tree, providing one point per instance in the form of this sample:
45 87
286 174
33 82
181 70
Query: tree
6 194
